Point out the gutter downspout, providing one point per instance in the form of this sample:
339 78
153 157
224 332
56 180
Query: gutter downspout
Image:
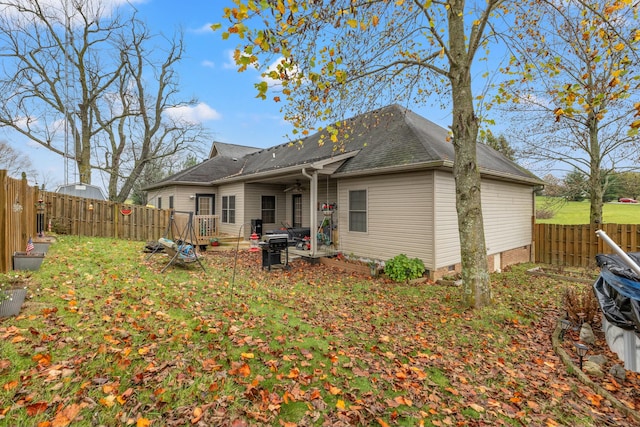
313 211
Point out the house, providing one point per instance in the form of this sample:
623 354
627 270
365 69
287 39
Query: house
87 191
389 179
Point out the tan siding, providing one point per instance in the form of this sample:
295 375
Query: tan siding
236 189
253 207
400 214
164 193
507 212
182 200
447 240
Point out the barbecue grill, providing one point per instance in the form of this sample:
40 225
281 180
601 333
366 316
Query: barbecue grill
275 247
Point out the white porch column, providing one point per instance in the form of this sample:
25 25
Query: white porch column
313 206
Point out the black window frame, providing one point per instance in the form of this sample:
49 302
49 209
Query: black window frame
265 212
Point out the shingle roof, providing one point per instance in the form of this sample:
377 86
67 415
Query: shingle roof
232 151
386 138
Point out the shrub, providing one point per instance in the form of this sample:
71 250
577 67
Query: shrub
581 304
400 268
544 213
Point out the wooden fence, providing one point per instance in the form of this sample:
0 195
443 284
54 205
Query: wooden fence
17 217
577 245
21 209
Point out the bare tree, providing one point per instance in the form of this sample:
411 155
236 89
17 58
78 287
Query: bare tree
576 84
15 162
75 79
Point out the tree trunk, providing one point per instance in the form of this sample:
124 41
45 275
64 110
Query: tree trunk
475 272
596 189
83 146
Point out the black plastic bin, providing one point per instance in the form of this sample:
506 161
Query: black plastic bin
618 292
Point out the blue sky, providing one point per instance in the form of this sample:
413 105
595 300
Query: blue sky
228 107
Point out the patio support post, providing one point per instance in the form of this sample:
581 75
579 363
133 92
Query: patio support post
313 213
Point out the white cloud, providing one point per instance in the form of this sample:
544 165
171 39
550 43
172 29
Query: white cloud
276 84
208 64
205 29
230 63
194 114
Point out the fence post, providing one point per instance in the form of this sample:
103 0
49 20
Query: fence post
115 220
4 237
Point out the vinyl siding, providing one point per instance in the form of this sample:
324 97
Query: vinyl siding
181 197
507 210
399 217
447 240
237 190
253 205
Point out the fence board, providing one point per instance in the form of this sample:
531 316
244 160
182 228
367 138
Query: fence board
578 245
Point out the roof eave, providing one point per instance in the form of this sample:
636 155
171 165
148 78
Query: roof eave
164 184
437 164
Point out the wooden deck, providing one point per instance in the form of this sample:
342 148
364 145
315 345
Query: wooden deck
305 254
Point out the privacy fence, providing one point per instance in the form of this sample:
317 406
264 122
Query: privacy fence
577 245
25 211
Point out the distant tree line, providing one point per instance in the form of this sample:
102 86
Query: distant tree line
575 186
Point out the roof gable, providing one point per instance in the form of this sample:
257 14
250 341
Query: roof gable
232 151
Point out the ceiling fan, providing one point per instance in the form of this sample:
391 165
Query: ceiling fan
296 188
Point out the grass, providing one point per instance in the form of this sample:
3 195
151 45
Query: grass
106 339
578 212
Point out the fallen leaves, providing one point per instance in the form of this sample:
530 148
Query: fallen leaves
66 415
296 347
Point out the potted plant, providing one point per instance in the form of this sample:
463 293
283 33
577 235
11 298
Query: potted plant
28 260
12 295
214 241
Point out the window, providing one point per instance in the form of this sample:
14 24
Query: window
358 210
269 209
229 209
159 202
170 202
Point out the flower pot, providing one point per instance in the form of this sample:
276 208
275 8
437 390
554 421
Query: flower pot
41 246
22 261
11 301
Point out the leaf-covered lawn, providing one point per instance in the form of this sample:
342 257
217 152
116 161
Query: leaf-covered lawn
108 340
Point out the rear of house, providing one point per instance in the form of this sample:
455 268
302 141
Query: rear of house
390 182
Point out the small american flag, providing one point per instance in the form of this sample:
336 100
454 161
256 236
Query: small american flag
30 246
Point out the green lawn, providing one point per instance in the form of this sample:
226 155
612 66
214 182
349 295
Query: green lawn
108 340
578 212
